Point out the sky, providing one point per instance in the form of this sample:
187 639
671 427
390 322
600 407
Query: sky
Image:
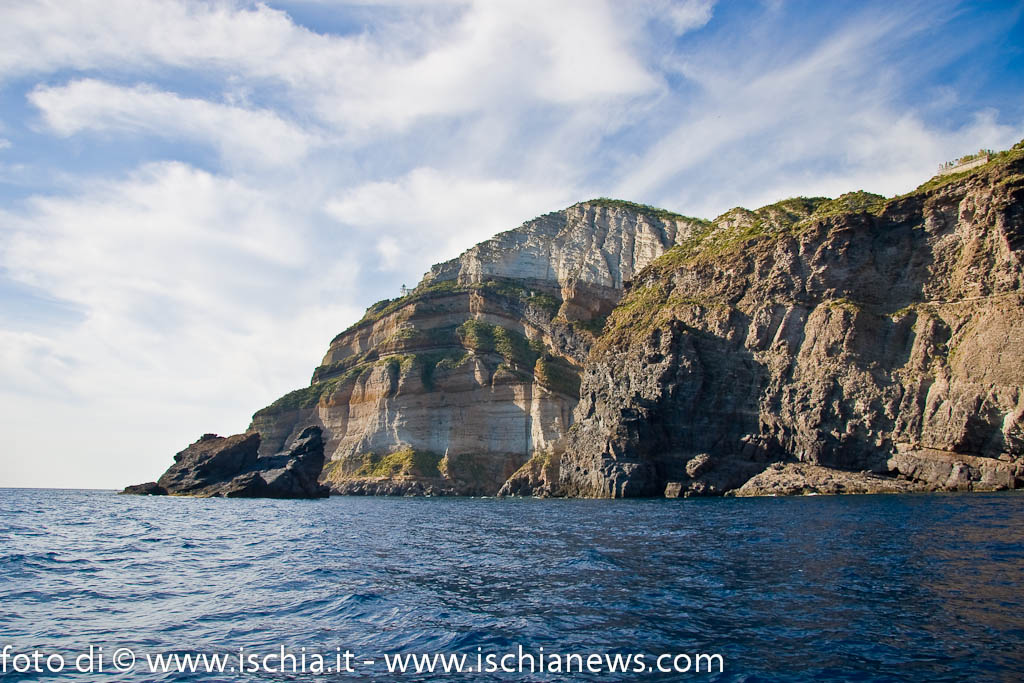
195 197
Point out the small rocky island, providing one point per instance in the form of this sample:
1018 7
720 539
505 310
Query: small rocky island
851 345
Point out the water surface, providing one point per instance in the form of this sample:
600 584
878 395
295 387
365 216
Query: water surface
922 587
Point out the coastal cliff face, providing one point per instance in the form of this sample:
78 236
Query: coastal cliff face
456 386
851 345
816 345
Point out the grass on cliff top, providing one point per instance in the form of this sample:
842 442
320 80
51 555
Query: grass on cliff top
783 215
851 202
306 397
995 159
645 209
650 303
386 307
738 226
735 228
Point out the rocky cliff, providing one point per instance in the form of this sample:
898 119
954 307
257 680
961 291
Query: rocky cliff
858 344
454 387
849 345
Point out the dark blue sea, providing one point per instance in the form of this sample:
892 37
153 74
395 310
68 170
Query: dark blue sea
900 588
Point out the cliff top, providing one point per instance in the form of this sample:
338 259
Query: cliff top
643 209
690 238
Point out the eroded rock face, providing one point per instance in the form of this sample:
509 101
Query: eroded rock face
586 252
812 346
452 389
888 340
230 467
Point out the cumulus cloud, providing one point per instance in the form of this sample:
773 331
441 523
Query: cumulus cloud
242 135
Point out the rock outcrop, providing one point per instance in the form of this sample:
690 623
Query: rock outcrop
454 387
231 467
784 349
150 488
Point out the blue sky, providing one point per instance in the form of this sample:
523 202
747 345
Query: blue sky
196 196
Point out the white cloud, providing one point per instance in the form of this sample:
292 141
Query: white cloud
820 122
689 15
492 55
4 143
198 305
244 136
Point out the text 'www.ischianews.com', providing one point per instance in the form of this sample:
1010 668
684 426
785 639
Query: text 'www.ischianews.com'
281 660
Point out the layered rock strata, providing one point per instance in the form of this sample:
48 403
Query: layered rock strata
452 388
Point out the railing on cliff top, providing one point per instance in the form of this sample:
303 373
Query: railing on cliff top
966 163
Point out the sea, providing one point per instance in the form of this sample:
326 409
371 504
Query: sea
100 587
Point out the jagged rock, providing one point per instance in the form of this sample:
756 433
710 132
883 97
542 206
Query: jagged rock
209 463
945 470
856 335
538 477
231 467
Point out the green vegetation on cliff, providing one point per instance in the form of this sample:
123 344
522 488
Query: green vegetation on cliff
995 159
558 375
544 302
306 397
851 202
482 337
650 302
431 362
404 462
645 209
